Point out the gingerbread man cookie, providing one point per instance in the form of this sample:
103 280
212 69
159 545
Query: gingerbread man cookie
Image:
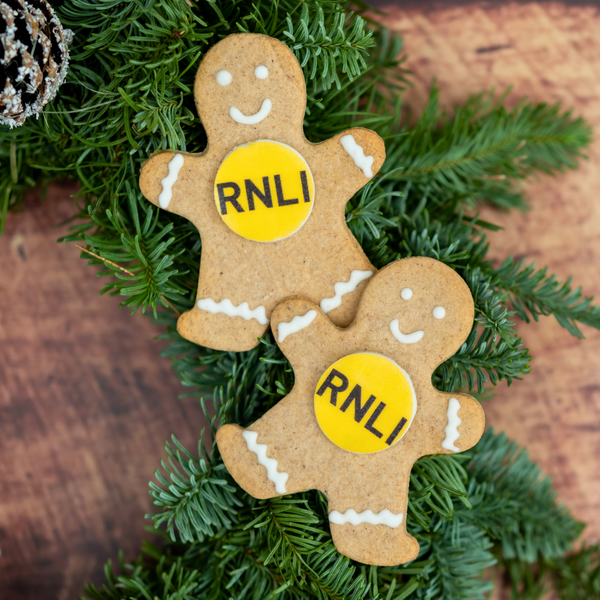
363 407
269 205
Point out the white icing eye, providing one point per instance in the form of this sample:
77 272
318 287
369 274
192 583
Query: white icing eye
224 78
261 72
439 312
406 294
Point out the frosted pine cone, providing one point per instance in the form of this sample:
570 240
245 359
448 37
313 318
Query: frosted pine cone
34 57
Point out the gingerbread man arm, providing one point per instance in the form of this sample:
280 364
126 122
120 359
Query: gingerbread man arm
167 178
462 423
346 162
300 328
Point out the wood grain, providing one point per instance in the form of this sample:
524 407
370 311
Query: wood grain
85 406
548 52
84 409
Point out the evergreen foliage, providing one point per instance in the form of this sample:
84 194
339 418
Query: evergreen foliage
129 93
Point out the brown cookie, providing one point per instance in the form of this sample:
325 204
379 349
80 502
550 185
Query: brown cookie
363 407
269 204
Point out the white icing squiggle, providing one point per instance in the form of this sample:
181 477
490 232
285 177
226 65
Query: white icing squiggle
167 183
227 307
385 517
239 117
270 464
296 324
341 288
405 338
357 154
452 427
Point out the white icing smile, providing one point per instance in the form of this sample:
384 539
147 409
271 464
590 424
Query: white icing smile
405 338
227 307
452 428
385 517
270 464
239 117
296 324
341 288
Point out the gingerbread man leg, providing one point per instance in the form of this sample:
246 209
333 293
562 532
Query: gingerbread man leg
238 328
264 458
368 499
250 462
232 307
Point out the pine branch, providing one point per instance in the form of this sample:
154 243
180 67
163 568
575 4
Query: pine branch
287 524
435 481
482 150
199 499
460 556
533 293
482 358
515 504
490 311
320 46
577 577
149 277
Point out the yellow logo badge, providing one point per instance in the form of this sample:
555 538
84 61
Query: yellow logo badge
264 191
365 403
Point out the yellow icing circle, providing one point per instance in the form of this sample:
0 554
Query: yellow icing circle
365 402
264 191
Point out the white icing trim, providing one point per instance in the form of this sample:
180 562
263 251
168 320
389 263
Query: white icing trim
405 338
227 307
261 72
385 517
164 198
295 325
452 427
357 154
439 312
270 464
240 117
341 288
406 294
224 77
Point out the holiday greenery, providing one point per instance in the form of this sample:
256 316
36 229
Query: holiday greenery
129 93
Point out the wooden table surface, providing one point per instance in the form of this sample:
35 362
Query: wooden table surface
85 408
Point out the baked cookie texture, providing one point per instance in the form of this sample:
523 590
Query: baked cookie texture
249 89
416 312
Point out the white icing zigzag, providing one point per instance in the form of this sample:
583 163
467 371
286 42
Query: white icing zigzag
357 154
452 427
405 338
385 517
167 183
270 464
227 307
341 288
296 324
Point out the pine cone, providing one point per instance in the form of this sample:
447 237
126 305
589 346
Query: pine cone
33 58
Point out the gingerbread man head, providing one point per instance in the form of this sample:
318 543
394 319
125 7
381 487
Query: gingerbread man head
420 306
363 407
249 87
